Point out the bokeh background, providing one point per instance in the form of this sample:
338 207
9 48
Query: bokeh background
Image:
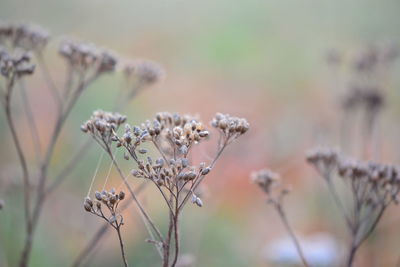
262 60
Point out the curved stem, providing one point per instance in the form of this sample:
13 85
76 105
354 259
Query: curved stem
121 244
31 120
285 222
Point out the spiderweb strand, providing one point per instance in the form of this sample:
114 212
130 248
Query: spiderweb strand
95 173
146 223
109 169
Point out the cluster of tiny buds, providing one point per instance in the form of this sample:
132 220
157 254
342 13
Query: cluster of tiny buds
25 36
324 159
265 179
370 98
84 57
110 199
144 72
382 178
367 59
230 126
103 124
182 131
15 66
167 174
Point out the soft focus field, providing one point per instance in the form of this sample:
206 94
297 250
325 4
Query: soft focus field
262 60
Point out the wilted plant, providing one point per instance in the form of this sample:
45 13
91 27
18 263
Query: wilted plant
372 187
173 136
108 202
366 76
20 45
270 183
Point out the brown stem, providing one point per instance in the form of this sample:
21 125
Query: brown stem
31 120
352 253
92 244
100 233
41 195
176 237
142 210
285 222
49 80
121 244
24 166
201 177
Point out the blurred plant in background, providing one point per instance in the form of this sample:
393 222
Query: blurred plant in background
85 64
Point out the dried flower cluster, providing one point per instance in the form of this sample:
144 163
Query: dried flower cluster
108 199
269 182
373 187
139 75
105 206
103 125
265 179
173 136
230 127
364 76
25 36
84 57
324 159
378 182
364 98
144 73
12 67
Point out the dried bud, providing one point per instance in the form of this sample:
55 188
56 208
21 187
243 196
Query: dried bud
206 171
97 194
265 179
88 204
199 202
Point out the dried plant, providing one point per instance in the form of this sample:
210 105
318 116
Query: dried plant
372 188
108 202
365 82
20 46
270 183
173 136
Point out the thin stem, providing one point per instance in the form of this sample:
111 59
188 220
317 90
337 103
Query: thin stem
142 210
167 242
49 80
31 120
121 244
100 233
92 244
176 234
201 177
285 222
352 254
337 201
24 167
41 195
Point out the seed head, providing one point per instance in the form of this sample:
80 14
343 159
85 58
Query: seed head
265 179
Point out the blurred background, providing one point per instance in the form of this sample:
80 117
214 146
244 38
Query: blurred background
262 60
